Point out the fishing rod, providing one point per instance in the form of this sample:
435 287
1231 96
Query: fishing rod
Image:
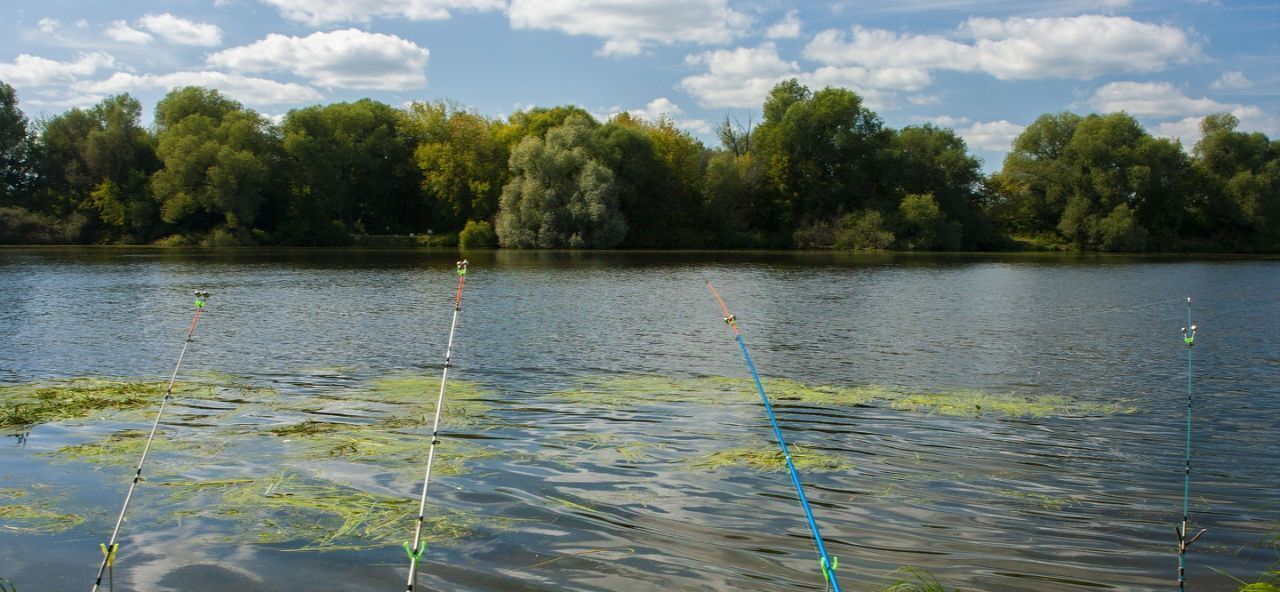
827 563
1189 339
416 550
109 549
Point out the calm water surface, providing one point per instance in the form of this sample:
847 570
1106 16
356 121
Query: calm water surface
1083 502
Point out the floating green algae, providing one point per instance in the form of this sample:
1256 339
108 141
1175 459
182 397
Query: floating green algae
124 447
634 390
314 515
910 579
35 403
628 391
39 516
767 460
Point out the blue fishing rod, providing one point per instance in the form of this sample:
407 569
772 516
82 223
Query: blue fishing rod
1189 338
826 562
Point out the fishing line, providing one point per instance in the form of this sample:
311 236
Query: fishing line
1189 338
111 547
417 549
826 563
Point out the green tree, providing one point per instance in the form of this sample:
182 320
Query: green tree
823 152
734 194
925 226
15 149
1036 180
477 235
94 171
351 170
217 159
1241 171
559 195
462 162
935 161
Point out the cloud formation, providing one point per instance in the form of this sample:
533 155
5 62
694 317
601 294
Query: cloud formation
29 70
260 91
992 136
630 26
1232 81
1016 48
122 32
316 13
348 58
739 77
180 31
1151 99
787 28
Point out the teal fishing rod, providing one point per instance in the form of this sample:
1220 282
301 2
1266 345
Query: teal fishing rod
1189 338
416 550
111 546
827 563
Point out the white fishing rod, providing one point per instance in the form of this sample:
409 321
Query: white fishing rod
418 547
109 549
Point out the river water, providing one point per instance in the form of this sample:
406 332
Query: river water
581 494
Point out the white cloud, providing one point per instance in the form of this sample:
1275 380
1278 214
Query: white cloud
744 76
316 13
348 58
739 77
29 70
629 26
260 91
787 28
48 25
993 136
122 32
1016 48
180 31
1151 99
82 24
942 120
1231 80
664 107
924 99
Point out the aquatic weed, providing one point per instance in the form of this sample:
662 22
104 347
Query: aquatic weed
315 515
765 460
35 403
40 516
914 580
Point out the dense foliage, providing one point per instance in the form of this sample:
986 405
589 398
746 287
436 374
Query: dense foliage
821 170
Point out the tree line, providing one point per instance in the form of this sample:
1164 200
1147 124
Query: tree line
820 170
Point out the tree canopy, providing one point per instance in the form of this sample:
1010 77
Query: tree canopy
819 170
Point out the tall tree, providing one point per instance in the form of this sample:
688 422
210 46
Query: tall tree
823 151
217 159
462 163
350 171
928 160
559 195
96 164
1242 171
15 149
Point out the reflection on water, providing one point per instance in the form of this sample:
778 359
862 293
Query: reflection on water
561 488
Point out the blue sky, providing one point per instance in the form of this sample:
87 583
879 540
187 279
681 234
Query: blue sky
985 69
